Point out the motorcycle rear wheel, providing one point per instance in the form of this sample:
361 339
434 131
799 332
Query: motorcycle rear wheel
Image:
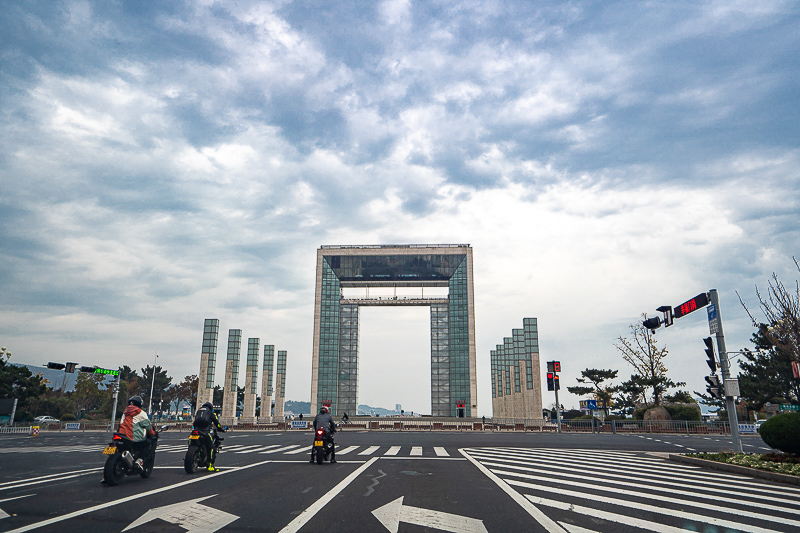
192 459
320 455
147 468
114 469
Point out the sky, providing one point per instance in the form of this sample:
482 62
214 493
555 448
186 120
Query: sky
166 162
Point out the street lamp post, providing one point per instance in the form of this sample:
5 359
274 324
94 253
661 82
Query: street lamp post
152 386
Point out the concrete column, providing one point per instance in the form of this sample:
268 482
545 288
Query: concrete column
266 383
230 389
250 382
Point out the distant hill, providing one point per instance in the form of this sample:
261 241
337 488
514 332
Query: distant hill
295 408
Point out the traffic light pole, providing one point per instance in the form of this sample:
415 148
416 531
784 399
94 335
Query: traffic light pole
715 328
116 397
558 412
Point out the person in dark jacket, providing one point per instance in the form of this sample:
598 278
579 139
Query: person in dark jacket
204 420
325 420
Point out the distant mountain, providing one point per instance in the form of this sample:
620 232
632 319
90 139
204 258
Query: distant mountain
295 408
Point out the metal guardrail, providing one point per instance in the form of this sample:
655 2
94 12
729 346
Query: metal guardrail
434 424
16 429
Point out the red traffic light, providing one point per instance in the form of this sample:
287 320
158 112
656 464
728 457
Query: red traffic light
557 366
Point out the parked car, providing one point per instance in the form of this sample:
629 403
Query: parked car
46 420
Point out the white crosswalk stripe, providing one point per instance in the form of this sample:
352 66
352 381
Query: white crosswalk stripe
293 449
634 490
369 451
301 449
282 449
347 450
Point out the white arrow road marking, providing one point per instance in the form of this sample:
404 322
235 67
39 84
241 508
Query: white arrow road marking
190 515
391 514
4 514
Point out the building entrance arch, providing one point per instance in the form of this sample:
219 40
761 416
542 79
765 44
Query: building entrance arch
334 373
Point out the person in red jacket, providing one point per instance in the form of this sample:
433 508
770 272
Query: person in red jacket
136 426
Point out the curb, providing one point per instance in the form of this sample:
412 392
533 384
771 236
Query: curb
737 469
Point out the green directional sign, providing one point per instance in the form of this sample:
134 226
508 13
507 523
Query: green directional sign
106 371
788 407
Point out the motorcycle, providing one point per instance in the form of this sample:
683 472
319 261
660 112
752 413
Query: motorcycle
197 455
323 445
121 459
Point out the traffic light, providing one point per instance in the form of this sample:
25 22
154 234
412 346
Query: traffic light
712 361
71 367
668 318
551 381
557 380
556 366
87 369
652 323
714 387
56 366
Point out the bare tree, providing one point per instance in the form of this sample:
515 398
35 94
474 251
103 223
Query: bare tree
643 354
781 308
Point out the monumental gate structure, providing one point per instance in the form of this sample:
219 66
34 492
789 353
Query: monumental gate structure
334 373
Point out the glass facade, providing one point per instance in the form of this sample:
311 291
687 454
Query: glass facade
337 341
269 362
328 377
366 268
234 349
531 354
440 359
210 337
252 364
347 385
459 340
281 371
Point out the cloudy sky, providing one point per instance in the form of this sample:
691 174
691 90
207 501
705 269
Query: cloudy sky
166 162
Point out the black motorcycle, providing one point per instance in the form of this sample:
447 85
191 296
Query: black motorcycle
323 445
197 454
122 459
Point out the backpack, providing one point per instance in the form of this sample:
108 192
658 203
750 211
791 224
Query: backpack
203 418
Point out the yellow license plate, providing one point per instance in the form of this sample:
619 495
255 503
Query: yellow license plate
318 443
109 450
193 437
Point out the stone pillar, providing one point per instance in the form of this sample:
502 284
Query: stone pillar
280 384
208 358
230 388
266 384
250 382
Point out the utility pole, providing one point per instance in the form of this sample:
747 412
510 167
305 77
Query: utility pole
152 387
116 398
715 328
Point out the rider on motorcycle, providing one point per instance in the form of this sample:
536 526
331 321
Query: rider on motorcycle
325 420
135 426
204 420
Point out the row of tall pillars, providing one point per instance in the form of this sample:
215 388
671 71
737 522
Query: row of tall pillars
208 357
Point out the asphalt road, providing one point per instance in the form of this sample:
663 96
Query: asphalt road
393 481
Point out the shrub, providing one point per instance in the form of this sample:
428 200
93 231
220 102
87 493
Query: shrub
684 411
782 432
68 417
609 418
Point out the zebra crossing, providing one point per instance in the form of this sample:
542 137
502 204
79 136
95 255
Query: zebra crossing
262 449
625 491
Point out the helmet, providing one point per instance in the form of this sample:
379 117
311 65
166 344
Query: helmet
323 410
136 400
208 404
